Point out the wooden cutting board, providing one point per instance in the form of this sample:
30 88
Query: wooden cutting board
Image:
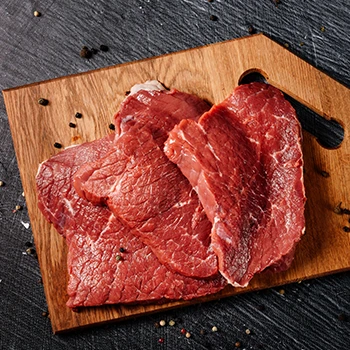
211 72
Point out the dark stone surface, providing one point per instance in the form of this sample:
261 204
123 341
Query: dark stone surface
311 315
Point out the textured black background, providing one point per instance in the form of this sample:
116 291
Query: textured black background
36 49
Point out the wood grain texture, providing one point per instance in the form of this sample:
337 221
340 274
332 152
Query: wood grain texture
211 72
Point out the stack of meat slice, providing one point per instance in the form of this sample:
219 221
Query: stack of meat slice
244 160
222 201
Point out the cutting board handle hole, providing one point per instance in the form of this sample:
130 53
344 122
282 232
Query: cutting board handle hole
328 132
253 75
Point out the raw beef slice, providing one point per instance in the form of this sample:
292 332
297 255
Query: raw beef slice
106 263
244 160
147 191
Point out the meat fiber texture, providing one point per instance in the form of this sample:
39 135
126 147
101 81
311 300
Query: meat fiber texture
107 264
244 160
146 191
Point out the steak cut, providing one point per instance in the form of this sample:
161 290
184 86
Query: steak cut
106 263
244 160
146 191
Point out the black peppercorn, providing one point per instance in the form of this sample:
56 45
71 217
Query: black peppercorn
213 18
346 229
43 101
104 48
85 52
122 250
30 251
72 125
339 210
111 126
57 145
251 29
78 115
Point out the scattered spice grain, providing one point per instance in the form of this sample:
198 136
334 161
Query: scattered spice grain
44 314
247 331
301 43
339 210
78 115
104 48
161 340
28 244
37 13
214 329
127 93
238 344
119 257
72 125
346 229
286 45
94 51
57 145
30 251
325 174
43 101
188 335
162 323
171 323
202 332
156 325
213 18
210 0
183 331
122 250
75 138
18 207
111 126
2 183
282 291
251 29
322 29
85 52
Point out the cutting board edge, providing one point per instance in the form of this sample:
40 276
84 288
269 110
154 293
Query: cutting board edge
182 303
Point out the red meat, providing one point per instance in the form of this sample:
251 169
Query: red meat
146 191
244 160
106 263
